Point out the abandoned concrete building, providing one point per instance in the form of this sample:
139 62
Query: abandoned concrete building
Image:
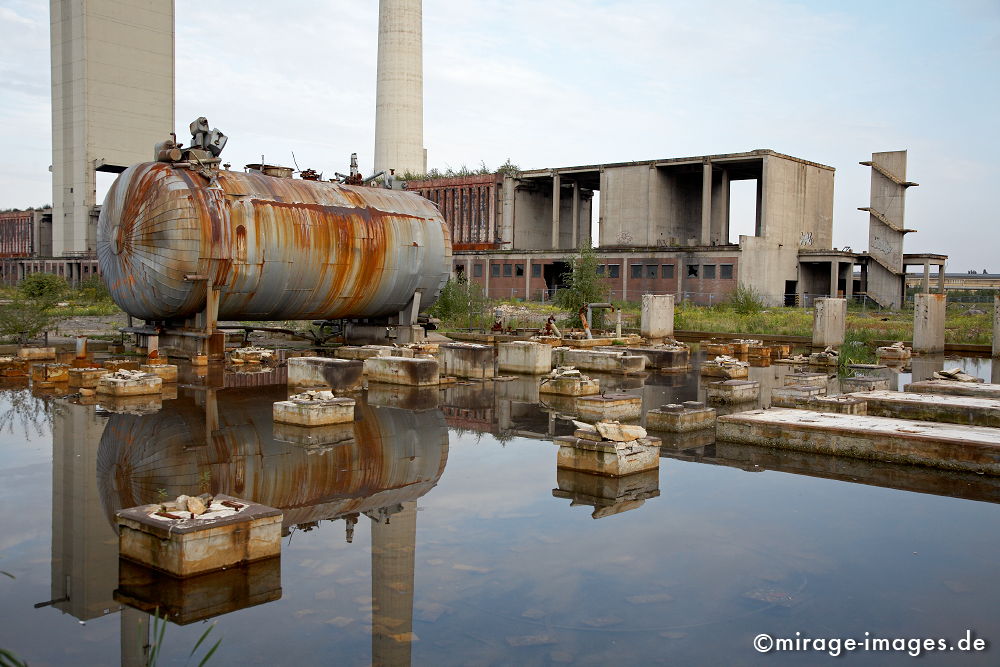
664 227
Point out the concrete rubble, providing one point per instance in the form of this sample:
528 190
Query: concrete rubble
955 375
725 367
568 381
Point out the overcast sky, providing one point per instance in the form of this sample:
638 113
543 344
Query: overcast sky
566 82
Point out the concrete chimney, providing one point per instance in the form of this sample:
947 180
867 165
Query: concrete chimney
399 94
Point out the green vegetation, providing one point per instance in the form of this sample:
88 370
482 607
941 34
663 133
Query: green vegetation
508 168
746 300
462 305
582 286
42 300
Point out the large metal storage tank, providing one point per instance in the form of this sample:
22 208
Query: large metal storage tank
275 248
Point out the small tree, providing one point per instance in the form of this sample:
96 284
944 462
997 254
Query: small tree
32 310
582 285
460 304
746 300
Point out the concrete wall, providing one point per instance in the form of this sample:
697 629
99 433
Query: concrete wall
797 206
112 99
885 244
532 217
766 266
399 88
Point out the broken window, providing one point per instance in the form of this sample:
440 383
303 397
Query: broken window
692 271
708 272
519 270
651 270
637 270
667 271
726 271
614 270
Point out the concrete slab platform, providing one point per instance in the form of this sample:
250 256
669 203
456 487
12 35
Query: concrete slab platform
948 446
933 407
952 388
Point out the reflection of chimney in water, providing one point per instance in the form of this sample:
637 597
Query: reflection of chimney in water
394 536
84 544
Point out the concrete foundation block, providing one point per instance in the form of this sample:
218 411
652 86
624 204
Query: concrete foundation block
727 370
309 410
717 349
578 385
893 353
403 370
13 367
681 417
129 383
368 351
166 372
612 459
185 547
621 407
844 405
86 378
121 365
795 396
50 373
599 360
667 358
324 373
527 357
34 353
810 379
467 360
928 322
863 383
733 391
829 322
656 318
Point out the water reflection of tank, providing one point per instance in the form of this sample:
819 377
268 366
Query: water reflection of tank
395 456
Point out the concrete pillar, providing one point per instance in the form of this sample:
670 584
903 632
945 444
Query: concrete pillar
527 278
576 216
487 272
706 203
834 277
928 322
996 328
941 278
926 284
556 186
722 230
849 283
829 322
657 316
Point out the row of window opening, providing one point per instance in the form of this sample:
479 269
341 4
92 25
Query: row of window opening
638 271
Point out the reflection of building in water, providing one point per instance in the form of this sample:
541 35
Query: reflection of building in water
84 544
226 442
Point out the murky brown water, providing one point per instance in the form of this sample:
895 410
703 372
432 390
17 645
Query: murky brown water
441 533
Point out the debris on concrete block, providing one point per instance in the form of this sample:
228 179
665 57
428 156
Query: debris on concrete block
955 374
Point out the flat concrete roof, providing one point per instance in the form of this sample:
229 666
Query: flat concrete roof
755 155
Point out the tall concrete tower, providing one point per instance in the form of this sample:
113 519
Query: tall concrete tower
112 99
399 93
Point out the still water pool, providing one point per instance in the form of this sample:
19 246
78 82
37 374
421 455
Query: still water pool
439 532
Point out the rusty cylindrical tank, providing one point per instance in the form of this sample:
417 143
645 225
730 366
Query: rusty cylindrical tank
275 248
